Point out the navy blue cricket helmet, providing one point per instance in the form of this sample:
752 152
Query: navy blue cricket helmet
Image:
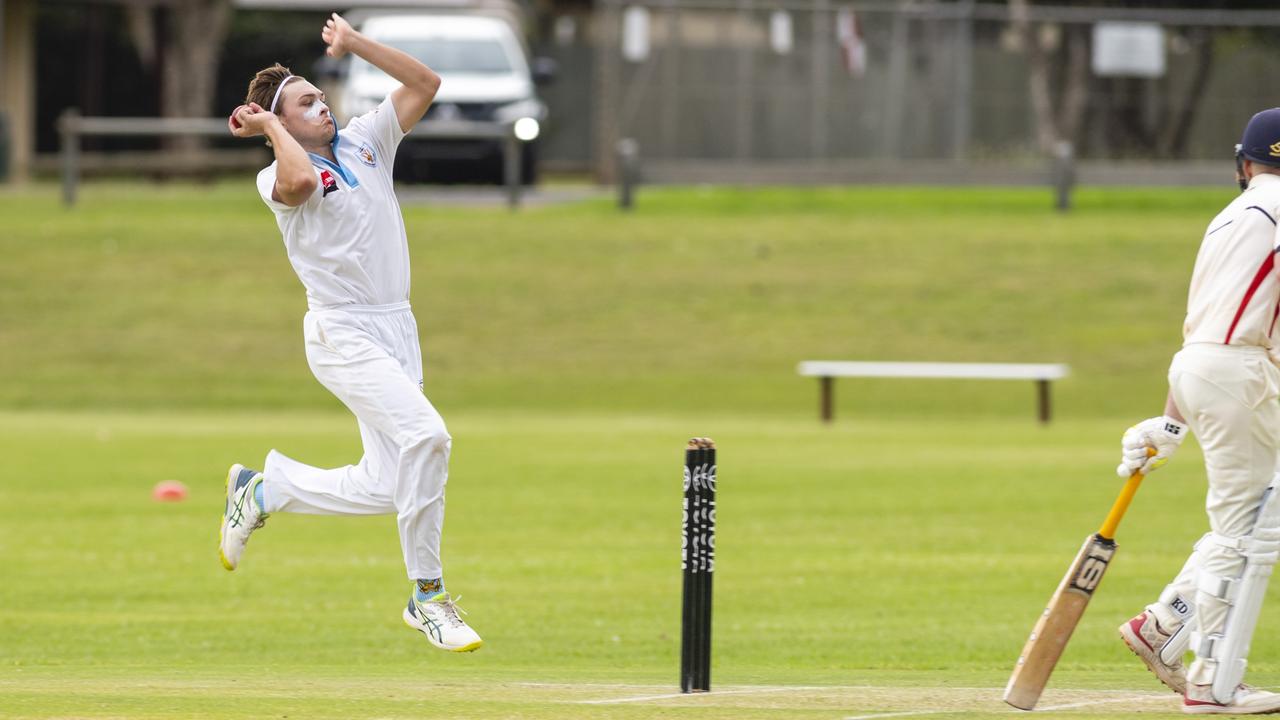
1261 140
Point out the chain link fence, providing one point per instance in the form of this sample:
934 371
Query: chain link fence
824 90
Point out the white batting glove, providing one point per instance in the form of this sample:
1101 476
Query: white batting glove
1162 434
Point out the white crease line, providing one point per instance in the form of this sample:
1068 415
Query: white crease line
735 688
1047 708
1086 703
670 696
614 686
739 690
909 713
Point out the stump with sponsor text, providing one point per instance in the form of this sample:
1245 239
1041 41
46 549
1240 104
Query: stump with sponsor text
698 560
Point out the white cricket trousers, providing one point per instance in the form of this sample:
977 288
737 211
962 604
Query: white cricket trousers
368 356
1228 394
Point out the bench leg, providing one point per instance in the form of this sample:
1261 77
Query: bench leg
1042 388
827 393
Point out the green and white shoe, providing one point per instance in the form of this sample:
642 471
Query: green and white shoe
240 516
438 619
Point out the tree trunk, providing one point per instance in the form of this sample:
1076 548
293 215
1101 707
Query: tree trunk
1040 80
1173 141
194 31
142 31
1076 80
1058 98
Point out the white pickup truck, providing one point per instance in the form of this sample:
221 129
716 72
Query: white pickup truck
487 78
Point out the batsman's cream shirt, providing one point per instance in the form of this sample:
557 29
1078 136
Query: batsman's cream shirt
347 242
1235 288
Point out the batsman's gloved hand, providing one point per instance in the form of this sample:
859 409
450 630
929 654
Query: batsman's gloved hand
1161 434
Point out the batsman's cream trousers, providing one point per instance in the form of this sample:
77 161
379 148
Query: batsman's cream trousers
1228 395
368 356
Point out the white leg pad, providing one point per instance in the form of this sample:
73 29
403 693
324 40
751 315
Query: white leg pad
1176 646
1176 608
1226 647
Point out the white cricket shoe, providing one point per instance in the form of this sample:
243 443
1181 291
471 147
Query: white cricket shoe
1247 701
240 516
1146 638
438 620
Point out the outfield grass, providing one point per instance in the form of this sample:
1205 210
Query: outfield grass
854 555
891 563
702 300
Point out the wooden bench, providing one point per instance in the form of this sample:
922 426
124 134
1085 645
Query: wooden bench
828 370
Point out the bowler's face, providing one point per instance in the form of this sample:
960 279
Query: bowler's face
305 115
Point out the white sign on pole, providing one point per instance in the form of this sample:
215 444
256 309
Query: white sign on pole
635 34
781 37
1128 49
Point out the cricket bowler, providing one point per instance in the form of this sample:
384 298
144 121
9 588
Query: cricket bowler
1223 386
333 200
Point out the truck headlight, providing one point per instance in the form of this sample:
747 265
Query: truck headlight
527 129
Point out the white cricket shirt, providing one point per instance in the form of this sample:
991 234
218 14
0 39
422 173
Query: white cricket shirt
1235 289
347 241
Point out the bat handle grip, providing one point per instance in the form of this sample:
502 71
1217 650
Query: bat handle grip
1108 529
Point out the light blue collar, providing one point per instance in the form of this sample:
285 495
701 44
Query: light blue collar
324 162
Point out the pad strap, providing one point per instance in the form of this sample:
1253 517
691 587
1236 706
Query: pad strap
1205 645
1263 547
1224 588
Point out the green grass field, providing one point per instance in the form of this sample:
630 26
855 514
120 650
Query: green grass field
888 565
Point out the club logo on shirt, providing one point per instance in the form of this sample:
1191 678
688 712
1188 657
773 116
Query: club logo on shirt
328 181
366 156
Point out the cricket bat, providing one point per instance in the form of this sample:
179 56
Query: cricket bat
1052 631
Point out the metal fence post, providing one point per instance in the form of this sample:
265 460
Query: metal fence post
6 144
962 115
69 139
628 171
511 170
744 89
823 18
1064 174
608 87
670 86
895 106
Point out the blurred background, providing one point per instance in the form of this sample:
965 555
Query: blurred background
711 90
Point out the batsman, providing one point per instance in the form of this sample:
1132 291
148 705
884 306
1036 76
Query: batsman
1223 386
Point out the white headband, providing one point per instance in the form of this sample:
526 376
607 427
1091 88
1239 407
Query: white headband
276 98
